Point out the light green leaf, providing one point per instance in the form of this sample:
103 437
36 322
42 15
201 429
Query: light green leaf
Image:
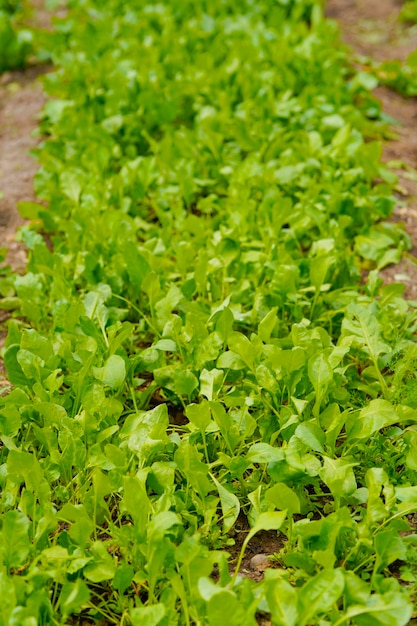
199 415
73 597
282 601
319 594
338 475
241 345
389 547
283 498
14 544
267 521
390 609
113 373
378 414
230 506
264 453
311 435
267 325
165 345
319 372
184 382
148 615
211 382
103 565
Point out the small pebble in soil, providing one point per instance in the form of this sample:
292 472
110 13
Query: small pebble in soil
259 562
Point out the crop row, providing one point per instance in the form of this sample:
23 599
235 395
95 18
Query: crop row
201 347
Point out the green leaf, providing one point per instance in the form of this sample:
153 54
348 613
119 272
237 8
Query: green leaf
199 415
241 345
113 373
160 523
282 601
230 506
319 594
136 502
185 382
14 369
319 267
311 435
223 608
389 547
378 414
14 545
224 323
165 345
338 475
364 329
148 615
190 464
319 372
267 521
381 495
73 597
8 599
211 382
267 325
27 466
390 609
103 566
145 433
72 182
283 498
264 453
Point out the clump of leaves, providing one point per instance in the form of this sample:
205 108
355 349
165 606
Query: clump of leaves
15 42
399 75
408 12
10 6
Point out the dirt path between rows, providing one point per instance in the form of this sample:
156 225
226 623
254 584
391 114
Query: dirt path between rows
372 30
21 99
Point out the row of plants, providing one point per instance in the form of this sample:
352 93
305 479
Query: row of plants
201 347
15 40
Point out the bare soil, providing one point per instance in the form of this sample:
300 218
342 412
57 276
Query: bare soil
372 29
21 99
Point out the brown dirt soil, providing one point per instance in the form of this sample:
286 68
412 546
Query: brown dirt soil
21 99
264 543
372 29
